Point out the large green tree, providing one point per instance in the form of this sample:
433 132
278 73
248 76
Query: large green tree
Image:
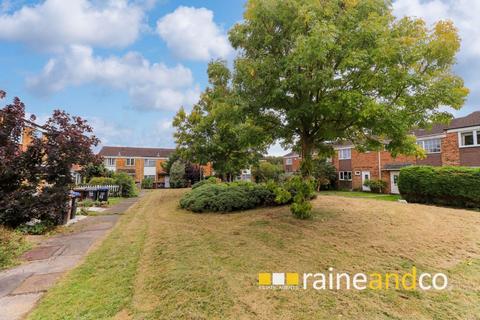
323 70
218 130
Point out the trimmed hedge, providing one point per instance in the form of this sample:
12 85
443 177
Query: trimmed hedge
223 197
448 186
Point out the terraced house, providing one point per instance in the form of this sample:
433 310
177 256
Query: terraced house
141 163
455 144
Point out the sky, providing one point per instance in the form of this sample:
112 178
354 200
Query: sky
128 65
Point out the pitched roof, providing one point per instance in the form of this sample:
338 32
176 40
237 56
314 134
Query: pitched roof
291 154
135 152
473 119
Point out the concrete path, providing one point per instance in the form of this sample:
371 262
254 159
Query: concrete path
22 286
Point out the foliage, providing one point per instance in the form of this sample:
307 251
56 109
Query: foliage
37 228
376 186
211 180
172 158
93 170
101 181
34 184
302 191
324 173
449 186
87 203
311 72
126 183
226 197
177 175
274 160
147 183
12 245
266 171
217 130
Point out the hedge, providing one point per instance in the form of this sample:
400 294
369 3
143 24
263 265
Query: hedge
449 186
223 197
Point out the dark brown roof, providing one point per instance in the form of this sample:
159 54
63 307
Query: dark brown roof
473 119
135 152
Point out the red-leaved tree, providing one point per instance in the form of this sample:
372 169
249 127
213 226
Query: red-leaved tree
34 182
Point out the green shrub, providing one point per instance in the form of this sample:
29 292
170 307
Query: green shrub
376 186
147 183
210 180
302 191
449 186
101 181
223 197
126 183
37 228
87 203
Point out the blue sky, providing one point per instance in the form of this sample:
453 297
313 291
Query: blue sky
127 66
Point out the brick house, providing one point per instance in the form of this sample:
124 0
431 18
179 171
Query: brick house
455 144
141 163
291 162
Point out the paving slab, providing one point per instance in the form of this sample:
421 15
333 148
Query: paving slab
37 283
16 307
40 253
9 283
22 286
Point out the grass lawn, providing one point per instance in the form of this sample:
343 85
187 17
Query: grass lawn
12 245
161 262
359 194
114 201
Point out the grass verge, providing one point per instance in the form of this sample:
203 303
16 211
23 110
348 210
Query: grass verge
161 262
12 245
359 194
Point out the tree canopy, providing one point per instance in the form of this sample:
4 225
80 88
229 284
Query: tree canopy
218 130
314 72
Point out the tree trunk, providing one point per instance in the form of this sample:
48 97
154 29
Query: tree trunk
306 167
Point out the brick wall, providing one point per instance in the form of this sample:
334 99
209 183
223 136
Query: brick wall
470 157
450 150
294 167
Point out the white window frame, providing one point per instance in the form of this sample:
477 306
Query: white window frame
474 132
342 156
289 161
110 162
344 175
130 162
422 143
149 160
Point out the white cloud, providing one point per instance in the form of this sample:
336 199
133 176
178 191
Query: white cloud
150 85
53 24
464 13
109 133
192 34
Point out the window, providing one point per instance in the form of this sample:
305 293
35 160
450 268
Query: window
150 163
344 154
345 175
289 161
431 145
470 138
130 162
110 162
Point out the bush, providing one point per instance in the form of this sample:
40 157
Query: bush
101 181
127 184
36 228
177 175
211 180
376 186
147 183
450 186
223 197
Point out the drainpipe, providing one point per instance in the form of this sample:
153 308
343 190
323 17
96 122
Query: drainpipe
379 166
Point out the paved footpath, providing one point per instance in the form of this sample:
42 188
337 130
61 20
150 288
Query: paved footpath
22 286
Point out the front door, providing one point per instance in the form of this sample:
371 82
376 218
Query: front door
365 177
394 182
